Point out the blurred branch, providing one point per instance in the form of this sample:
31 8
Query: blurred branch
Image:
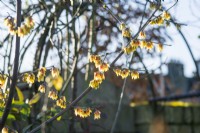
15 70
119 107
177 97
91 37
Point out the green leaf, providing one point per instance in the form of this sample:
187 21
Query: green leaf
15 110
35 99
17 103
59 118
20 94
10 116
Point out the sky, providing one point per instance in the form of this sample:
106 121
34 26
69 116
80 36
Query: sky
178 51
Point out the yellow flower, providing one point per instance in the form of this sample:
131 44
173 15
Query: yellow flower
122 26
152 22
135 43
94 58
83 113
129 49
2 80
9 22
55 72
160 47
166 15
142 35
30 78
143 44
125 73
77 111
159 20
41 88
20 32
12 31
97 115
4 130
149 45
99 76
25 29
58 82
104 67
97 63
134 75
126 33
95 83
61 102
29 22
117 72
53 95
41 74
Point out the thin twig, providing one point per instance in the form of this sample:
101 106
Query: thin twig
120 101
119 107
143 14
15 71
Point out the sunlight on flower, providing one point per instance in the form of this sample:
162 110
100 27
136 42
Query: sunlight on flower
58 82
97 115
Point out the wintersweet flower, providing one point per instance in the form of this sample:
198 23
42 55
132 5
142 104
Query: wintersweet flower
97 115
41 88
99 76
41 74
117 72
29 22
95 83
126 33
2 80
166 15
149 45
142 35
124 73
160 47
83 113
143 44
122 26
104 67
135 43
135 75
30 78
61 102
55 72
53 95
4 130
